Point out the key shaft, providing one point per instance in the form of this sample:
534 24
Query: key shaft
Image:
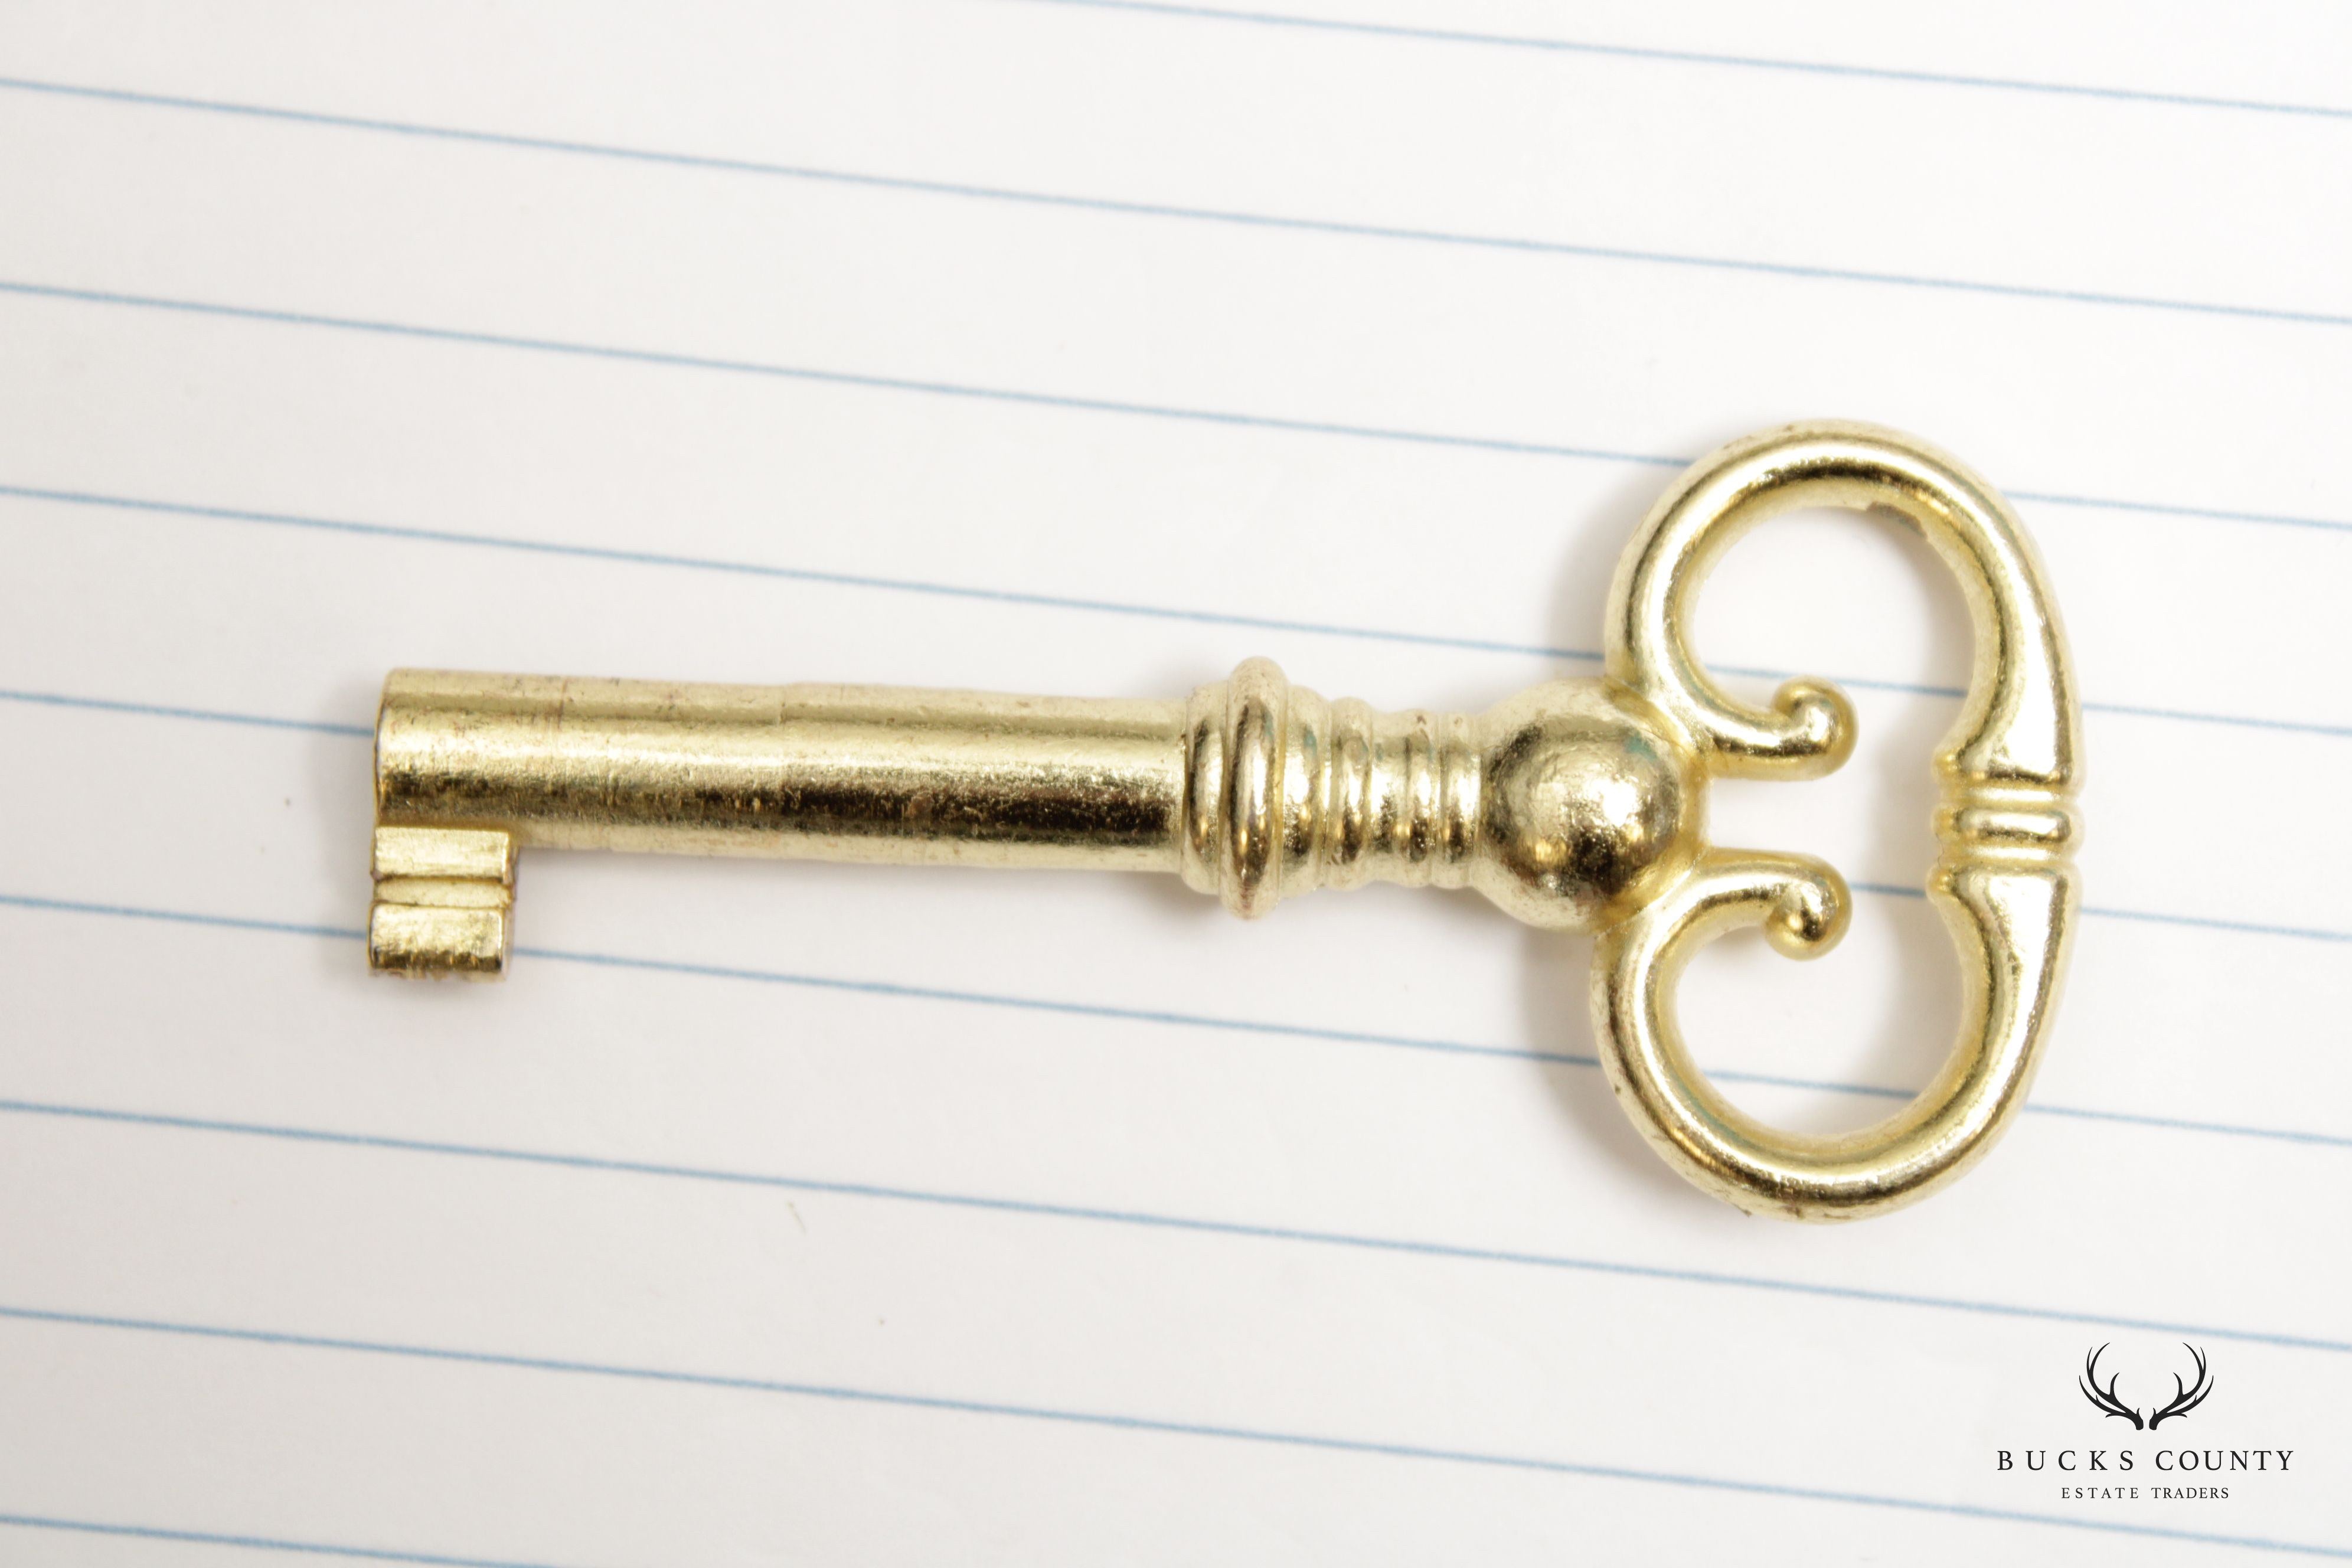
1566 806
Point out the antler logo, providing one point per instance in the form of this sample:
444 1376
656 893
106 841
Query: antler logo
2186 1397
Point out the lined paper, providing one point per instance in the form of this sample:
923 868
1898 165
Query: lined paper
797 1214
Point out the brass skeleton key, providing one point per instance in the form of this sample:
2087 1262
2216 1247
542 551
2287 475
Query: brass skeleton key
1576 805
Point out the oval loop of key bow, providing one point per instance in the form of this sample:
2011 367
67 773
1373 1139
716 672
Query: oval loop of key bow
2004 882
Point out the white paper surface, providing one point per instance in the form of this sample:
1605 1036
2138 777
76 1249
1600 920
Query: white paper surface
794 1213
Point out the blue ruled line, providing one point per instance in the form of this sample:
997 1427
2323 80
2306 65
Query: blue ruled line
808 374
2109 912
1801 271
1704 57
1039 601
206 715
1148 1220
1143 1015
180 917
840 1394
255 1543
1064 402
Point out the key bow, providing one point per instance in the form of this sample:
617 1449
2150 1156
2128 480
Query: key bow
2004 881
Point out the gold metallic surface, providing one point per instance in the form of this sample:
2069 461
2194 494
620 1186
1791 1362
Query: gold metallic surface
1576 805
2003 881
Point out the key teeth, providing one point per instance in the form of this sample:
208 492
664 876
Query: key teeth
437 941
427 922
